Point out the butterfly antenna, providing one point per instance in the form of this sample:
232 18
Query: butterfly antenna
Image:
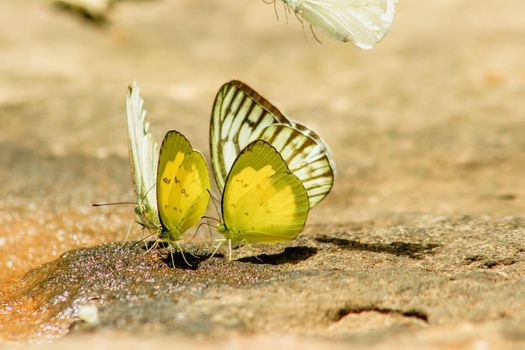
198 228
215 205
147 192
105 204
152 187
210 225
211 218
213 195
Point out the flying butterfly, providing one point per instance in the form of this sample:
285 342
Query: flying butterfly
364 22
183 186
240 115
262 201
143 157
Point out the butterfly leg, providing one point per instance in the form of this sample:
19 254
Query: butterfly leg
154 246
182 253
221 241
127 235
230 247
172 260
195 256
141 241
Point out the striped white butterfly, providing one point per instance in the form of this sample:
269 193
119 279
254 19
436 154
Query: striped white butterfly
364 22
240 115
143 158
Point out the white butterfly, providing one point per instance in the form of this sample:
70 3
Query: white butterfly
364 22
143 158
240 115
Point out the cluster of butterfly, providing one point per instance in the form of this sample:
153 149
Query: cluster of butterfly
271 171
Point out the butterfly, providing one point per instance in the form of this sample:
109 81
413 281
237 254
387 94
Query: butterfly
240 115
262 201
183 186
143 157
364 22
172 185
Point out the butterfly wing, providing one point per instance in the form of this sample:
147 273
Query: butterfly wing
305 158
143 155
364 22
240 115
183 185
263 202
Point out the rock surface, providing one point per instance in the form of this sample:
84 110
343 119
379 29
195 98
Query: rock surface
420 244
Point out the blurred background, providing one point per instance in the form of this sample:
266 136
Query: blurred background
429 121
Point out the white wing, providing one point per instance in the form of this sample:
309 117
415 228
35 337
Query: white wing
240 115
143 157
307 158
364 22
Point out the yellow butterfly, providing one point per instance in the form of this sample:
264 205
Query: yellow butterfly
262 201
183 187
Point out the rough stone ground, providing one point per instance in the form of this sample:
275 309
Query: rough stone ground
420 244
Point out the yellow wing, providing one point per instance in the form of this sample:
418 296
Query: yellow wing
183 185
263 202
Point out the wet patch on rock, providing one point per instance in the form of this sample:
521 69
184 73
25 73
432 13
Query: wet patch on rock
117 277
415 274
